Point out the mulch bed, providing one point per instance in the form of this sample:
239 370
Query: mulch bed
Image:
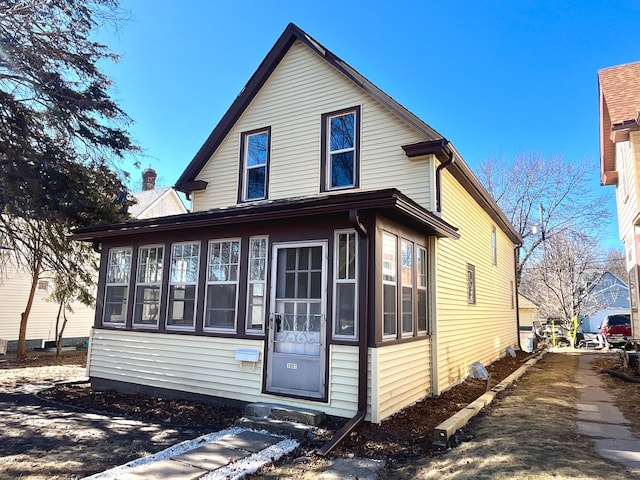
404 436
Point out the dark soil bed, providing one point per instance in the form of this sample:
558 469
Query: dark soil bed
399 439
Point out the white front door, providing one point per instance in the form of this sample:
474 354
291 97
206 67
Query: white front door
297 321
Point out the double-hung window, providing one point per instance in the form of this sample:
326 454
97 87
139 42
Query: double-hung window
222 285
389 285
257 284
341 149
345 285
148 285
422 304
116 293
255 165
406 277
183 282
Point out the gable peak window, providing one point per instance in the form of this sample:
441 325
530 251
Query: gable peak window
254 153
341 149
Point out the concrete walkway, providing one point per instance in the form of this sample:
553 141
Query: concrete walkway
602 421
228 454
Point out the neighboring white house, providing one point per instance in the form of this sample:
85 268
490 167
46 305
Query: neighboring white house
16 282
608 295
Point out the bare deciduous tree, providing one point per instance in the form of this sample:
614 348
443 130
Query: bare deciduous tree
529 181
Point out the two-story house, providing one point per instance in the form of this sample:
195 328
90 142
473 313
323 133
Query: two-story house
340 255
619 97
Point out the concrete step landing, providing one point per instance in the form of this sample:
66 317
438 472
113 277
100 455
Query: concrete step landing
281 419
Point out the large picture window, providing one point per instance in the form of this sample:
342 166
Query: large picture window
340 149
389 285
222 285
345 285
148 286
116 292
256 288
255 165
407 278
183 282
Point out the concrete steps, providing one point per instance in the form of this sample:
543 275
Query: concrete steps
295 423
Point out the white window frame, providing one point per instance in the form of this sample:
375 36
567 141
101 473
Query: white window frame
410 270
252 283
211 283
183 283
393 268
124 283
157 283
351 278
422 285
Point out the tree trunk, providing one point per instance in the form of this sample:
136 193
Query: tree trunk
22 337
59 334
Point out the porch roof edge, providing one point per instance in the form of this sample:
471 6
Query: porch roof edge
388 199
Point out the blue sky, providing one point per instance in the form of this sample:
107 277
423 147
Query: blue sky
494 77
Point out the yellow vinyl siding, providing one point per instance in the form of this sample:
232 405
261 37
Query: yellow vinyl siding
403 376
207 366
480 332
291 102
627 189
14 292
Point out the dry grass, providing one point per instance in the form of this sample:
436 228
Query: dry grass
530 434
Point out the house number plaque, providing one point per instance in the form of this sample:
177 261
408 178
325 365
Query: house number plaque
292 366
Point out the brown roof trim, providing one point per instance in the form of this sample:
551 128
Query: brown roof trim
425 148
290 35
192 186
389 199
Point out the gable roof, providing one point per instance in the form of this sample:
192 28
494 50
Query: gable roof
434 142
292 33
619 97
148 198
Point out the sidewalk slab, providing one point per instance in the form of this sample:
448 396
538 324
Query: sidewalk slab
353 469
605 430
163 469
250 441
626 452
211 456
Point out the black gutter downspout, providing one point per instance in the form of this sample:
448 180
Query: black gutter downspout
440 167
363 334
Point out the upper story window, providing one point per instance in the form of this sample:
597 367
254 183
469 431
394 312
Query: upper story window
341 149
222 285
255 165
148 285
183 282
116 293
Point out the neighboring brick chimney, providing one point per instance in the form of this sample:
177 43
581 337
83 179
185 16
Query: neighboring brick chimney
149 179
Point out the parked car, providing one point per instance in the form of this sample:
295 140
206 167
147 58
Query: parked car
616 329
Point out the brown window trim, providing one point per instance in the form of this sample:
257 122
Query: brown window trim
324 187
241 179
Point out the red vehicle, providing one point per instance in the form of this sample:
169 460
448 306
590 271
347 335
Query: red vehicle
616 329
